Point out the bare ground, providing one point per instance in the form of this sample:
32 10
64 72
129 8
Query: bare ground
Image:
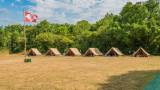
76 73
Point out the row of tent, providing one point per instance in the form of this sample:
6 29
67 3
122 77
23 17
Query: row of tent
90 52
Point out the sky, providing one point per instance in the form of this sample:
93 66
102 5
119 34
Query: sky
59 11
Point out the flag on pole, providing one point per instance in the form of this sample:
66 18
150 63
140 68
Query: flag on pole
34 18
29 17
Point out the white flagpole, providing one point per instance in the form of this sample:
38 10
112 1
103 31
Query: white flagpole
25 39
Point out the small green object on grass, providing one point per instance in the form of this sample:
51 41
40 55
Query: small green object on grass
28 60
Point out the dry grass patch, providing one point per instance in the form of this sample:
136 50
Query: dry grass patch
70 73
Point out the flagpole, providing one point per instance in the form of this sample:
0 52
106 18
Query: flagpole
25 42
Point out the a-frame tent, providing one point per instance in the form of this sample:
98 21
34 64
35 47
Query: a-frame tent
93 52
73 52
53 52
34 52
114 52
141 53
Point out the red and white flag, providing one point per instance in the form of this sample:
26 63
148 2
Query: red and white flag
29 17
34 18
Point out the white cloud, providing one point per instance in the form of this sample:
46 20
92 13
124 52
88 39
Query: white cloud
71 11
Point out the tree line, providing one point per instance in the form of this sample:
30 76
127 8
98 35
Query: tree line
137 25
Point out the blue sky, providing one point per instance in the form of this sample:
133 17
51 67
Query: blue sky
59 11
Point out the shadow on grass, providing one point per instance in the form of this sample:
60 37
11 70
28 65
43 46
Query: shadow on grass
133 80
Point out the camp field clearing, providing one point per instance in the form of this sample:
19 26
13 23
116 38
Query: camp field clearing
77 73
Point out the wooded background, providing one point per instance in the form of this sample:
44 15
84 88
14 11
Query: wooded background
137 25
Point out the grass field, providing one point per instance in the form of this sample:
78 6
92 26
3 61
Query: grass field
77 73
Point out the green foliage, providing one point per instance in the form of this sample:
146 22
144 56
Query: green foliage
137 25
44 40
134 13
16 42
81 26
